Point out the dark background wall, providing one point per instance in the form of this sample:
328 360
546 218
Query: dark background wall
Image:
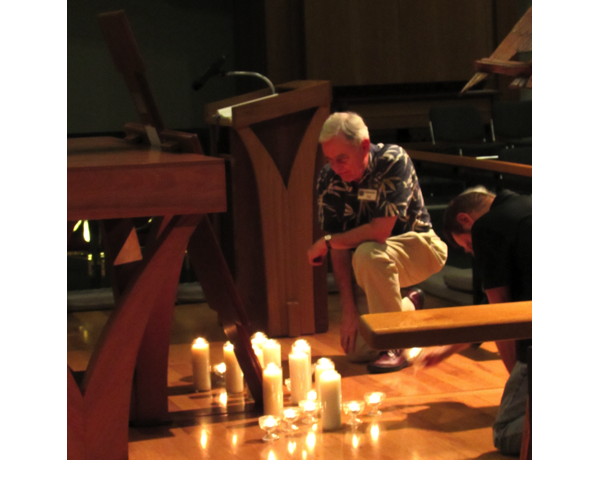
178 39
428 45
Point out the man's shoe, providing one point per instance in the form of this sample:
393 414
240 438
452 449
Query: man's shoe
417 297
388 361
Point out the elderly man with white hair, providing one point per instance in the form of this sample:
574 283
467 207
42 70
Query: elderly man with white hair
378 230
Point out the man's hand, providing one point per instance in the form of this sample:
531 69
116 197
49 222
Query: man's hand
317 252
431 356
348 332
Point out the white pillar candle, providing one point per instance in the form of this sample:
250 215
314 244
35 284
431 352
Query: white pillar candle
321 365
272 390
331 399
304 346
272 352
201 364
299 362
234 377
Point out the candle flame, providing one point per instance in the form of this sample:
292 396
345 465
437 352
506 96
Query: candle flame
311 395
258 339
259 336
308 405
290 413
267 422
325 361
354 406
374 399
414 353
301 345
220 369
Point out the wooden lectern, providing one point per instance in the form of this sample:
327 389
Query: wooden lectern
275 160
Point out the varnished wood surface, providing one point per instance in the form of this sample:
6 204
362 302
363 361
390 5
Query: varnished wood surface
445 412
108 178
293 97
448 325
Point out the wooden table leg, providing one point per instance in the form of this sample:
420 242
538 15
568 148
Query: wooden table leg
149 405
98 407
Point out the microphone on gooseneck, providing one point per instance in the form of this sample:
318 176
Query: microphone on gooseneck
215 69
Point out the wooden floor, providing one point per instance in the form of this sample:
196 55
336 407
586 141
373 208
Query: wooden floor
445 412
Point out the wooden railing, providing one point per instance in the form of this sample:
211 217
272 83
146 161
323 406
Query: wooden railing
472 162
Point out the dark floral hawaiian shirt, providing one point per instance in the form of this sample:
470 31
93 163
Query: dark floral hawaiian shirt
388 187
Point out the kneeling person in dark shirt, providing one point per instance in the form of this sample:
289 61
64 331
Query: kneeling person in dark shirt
496 230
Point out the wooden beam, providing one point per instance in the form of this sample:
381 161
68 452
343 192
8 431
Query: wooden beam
510 68
447 325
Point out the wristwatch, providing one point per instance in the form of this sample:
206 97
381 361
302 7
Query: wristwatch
327 239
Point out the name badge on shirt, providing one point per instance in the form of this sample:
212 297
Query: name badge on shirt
367 194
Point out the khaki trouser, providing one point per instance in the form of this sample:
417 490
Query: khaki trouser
508 427
382 269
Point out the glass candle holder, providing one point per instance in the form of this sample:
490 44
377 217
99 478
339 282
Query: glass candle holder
373 401
353 409
291 414
269 424
310 410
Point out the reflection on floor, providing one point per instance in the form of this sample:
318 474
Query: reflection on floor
445 412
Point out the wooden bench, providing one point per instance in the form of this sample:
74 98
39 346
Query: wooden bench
447 325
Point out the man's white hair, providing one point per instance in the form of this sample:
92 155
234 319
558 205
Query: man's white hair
349 124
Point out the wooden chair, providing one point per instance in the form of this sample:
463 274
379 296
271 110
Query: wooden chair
512 123
459 129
